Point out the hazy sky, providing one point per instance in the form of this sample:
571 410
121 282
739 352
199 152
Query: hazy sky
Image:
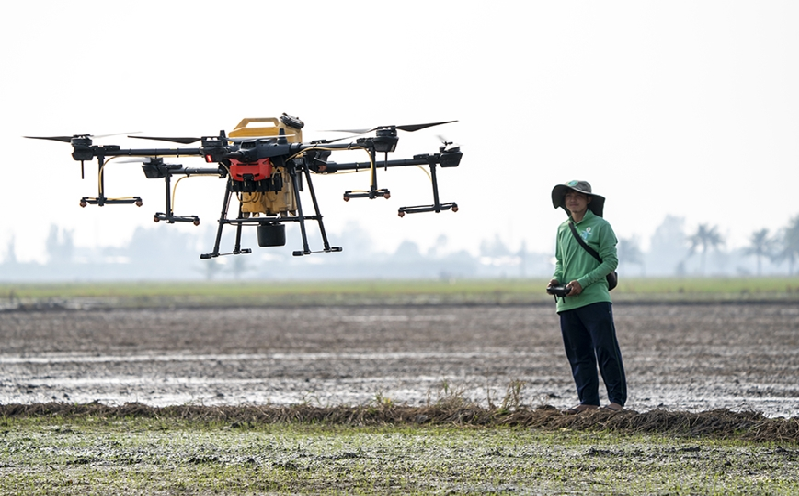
683 108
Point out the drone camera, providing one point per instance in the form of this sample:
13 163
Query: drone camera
271 234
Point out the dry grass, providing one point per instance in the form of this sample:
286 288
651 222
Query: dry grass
714 424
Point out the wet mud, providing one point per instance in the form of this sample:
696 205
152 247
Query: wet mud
741 357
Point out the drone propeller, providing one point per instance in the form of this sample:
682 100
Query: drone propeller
408 128
65 139
183 141
415 127
447 143
68 139
137 160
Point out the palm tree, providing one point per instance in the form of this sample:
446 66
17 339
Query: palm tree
760 245
707 238
788 245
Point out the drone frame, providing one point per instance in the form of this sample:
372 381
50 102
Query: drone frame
248 146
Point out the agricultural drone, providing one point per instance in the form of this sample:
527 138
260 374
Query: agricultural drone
266 166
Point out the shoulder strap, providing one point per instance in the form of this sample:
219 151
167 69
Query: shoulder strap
583 244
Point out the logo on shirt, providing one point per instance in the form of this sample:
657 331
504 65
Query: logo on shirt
585 233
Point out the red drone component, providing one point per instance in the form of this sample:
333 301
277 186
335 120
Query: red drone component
260 169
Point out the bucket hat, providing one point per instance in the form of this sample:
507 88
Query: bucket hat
596 205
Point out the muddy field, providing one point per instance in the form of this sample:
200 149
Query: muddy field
680 357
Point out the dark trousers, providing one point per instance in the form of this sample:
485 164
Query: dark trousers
590 338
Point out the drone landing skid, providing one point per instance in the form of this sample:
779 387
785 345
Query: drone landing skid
159 216
102 201
332 249
367 194
417 209
208 256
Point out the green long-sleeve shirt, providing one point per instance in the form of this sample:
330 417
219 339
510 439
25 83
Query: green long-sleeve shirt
573 262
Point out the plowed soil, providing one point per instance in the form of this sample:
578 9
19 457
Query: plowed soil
688 357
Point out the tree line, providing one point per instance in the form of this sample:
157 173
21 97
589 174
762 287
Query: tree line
675 249
155 253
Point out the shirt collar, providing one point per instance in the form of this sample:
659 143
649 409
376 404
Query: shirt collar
588 215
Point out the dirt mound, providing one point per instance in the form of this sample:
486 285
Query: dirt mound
717 424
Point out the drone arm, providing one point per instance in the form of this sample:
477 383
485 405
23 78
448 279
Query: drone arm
356 166
200 171
446 159
155 152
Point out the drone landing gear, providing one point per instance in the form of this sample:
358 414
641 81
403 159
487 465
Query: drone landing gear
437 206
318 217
100 201
367 194
272 230
271 234
165 172
159 216
427 208
332 249
377 145
208 256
